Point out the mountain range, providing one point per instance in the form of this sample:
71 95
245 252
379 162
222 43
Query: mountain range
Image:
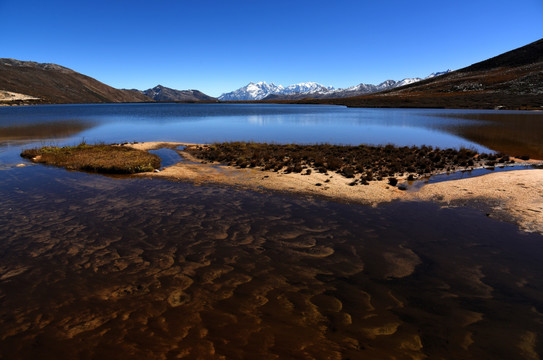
263 91
28 82
23 82
323 92
513 80
164 94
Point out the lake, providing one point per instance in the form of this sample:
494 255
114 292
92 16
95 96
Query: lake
96 267
252 122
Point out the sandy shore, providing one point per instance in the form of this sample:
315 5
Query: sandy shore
515 196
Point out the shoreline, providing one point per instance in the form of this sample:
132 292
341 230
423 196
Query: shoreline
29 100
513 196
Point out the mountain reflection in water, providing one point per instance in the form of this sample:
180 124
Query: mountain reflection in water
47 130
93 267
512 133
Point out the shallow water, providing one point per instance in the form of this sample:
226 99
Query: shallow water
96 267
168 157
464 174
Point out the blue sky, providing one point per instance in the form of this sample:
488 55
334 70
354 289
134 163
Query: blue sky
217 45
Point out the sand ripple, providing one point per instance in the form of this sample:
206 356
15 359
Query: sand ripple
151 269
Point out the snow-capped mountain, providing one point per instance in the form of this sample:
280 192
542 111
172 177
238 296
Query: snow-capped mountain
306 88
252 91
363 89
386 85
406 82
262 90
438 73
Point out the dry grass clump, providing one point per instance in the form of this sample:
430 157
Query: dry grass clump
109 159
368 163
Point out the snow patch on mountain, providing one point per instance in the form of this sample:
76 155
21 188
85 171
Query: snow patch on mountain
306 88
439 73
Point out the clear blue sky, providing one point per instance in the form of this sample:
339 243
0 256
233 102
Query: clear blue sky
217 45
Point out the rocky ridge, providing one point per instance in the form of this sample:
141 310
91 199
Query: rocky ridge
165 94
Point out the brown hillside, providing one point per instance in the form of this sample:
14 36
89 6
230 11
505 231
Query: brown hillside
513 80
56 84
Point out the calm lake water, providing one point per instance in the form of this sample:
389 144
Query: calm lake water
95 267
516 133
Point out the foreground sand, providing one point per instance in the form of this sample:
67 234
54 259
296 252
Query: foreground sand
515 196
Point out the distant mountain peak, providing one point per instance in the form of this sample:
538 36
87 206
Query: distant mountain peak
439 73
261 90
165 94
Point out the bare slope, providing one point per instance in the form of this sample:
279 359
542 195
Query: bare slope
53 83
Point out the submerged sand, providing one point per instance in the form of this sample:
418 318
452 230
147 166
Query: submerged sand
155 269
515 196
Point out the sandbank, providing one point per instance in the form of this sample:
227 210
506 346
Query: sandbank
515 196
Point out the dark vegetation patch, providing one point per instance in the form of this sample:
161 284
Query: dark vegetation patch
368 163
108 159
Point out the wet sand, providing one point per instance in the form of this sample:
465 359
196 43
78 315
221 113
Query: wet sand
515 196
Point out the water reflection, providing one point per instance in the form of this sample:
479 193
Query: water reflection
96 267
41 131
168 157
465 174
254 122
513 133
